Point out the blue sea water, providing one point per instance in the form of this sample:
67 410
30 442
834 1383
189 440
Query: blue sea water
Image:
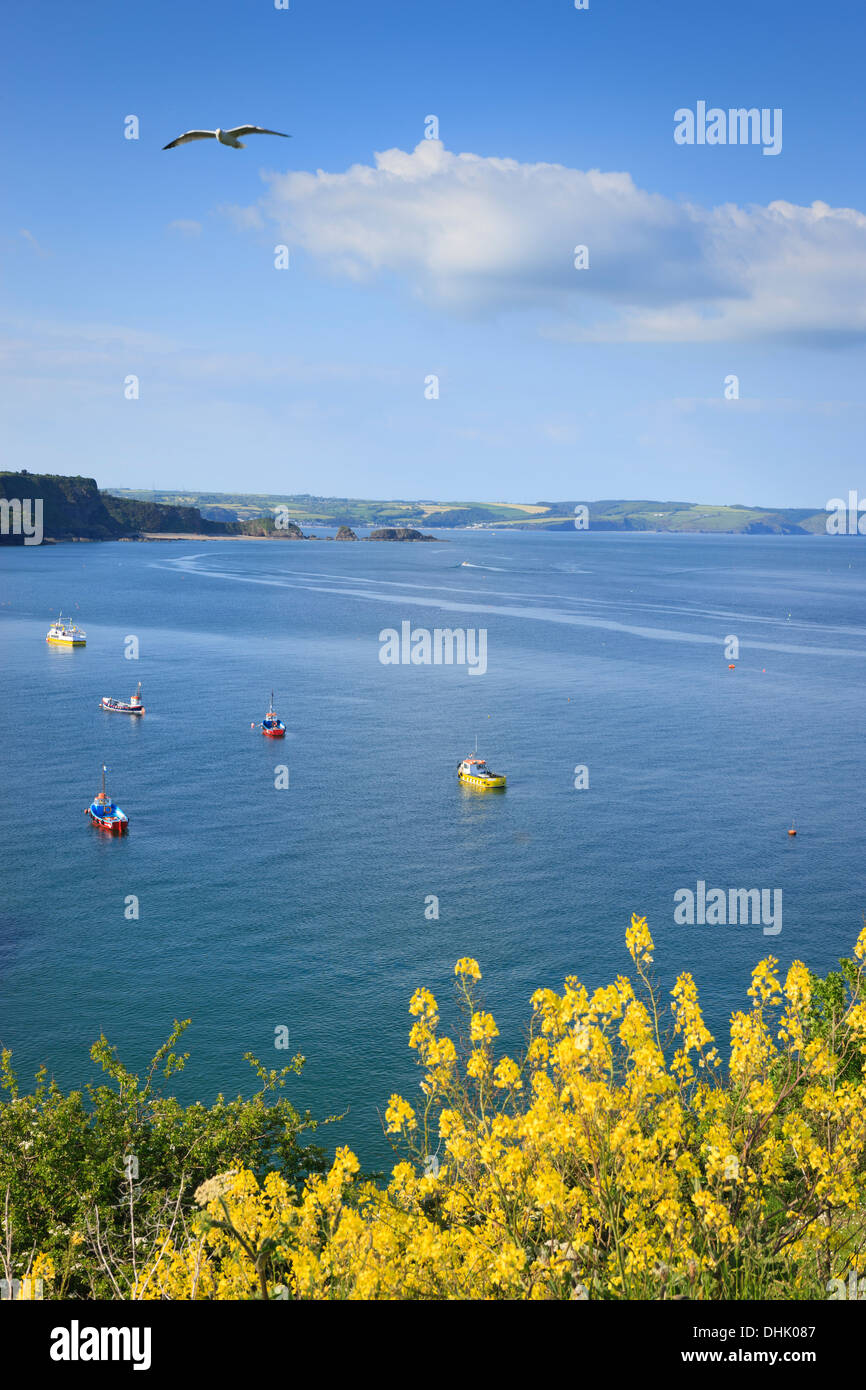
304 907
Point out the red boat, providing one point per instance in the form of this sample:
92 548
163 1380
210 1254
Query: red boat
271 726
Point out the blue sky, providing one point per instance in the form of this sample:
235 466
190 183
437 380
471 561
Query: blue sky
408 259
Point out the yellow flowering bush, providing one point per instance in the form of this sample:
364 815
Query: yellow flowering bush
619 1158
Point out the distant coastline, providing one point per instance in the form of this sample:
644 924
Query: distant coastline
308 510
75 509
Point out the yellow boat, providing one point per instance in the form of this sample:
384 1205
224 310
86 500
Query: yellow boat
65 634
474 772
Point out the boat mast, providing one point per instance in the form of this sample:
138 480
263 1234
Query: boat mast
103 781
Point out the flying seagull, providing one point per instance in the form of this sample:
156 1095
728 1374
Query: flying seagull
225 137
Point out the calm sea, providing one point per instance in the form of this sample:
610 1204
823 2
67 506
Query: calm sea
304 907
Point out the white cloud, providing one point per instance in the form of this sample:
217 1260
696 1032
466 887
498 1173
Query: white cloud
41 350
28 236
186 226
476 235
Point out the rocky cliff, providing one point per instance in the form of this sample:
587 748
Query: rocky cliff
73 509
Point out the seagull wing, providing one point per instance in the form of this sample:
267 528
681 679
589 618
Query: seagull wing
253 130
191 135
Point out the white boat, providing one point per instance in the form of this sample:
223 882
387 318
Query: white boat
65 634
131 706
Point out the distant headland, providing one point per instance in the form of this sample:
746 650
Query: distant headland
307 509
76 509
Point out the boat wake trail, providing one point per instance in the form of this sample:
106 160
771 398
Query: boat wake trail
573 611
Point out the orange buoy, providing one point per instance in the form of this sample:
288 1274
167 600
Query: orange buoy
731 666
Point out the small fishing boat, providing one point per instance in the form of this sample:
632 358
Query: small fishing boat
105 813
271 726
131 706
65 634
474 772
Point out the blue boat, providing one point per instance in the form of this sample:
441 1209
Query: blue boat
105 813
271 726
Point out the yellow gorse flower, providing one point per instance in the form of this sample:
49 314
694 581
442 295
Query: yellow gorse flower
612 1162
399 1115
483 1028
638 940
467 966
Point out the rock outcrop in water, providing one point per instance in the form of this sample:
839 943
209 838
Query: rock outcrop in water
345 533
398 533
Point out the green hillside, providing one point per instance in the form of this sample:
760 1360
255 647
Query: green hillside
75 509
607 515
